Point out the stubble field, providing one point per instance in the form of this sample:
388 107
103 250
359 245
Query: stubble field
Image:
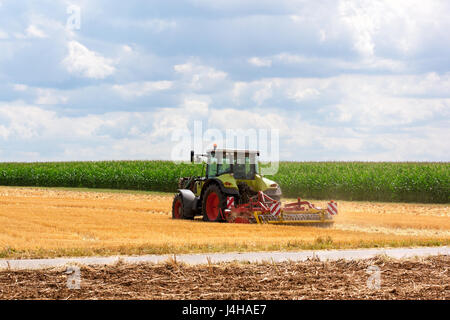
54 222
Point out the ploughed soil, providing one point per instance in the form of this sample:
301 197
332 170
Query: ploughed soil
426 278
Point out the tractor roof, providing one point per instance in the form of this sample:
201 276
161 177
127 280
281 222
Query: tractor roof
233 151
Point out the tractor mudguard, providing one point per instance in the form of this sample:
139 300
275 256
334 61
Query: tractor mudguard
189 202
229 191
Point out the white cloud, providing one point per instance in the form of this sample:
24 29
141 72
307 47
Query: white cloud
375 110
127 48
153 25
87 63
20 87
34 32
167 121
260 62
196 106
3 35
50 97
111 135
200 76
320 142
364 21
28 121
147 135
401 25
289 58
303 94
158 25
183 68
364 63
263 93
322 35
245 119
139 89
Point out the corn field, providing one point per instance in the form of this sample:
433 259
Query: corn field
371 181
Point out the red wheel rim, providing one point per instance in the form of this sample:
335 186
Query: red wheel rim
177 210
212 206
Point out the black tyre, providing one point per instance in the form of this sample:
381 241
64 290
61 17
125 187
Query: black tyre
177 207
213 204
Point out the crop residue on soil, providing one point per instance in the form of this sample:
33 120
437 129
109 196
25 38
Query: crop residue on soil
399 279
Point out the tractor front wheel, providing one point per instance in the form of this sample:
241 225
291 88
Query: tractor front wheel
213 204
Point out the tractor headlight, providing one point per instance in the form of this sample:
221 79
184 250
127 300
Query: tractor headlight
273 192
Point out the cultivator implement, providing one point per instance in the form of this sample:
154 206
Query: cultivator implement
263 209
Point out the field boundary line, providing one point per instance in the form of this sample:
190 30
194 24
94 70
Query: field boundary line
205 258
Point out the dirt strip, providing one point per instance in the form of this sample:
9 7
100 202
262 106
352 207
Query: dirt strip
378 278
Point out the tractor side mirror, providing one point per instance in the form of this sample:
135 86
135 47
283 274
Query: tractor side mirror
192 156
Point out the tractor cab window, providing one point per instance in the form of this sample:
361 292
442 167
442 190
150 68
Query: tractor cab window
224 166
245 166
212 166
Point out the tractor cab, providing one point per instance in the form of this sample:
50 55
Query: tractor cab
241 164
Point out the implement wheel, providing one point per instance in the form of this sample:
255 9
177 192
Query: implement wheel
213 204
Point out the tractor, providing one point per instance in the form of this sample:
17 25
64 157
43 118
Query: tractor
233 189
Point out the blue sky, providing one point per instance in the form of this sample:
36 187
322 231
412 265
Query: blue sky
339 80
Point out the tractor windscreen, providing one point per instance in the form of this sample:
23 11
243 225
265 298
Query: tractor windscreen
245 166
219 164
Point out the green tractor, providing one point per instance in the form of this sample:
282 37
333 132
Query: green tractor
230 174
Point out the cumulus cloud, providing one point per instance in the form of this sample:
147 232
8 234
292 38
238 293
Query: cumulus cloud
302 94
87 63
20 87
25 122
196 106
402 25
365 63
341 80
200 76
260 62
34 32
152 24
139 89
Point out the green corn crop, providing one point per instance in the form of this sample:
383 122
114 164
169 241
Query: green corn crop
371 181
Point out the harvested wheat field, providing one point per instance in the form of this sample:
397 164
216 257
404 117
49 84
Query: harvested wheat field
399 279
54 222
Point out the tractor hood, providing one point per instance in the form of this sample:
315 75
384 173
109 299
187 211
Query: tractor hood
266 183
260 183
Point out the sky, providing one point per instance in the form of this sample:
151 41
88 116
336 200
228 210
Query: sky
335 80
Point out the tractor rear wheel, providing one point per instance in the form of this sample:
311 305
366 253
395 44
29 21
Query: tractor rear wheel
177 207
213 204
